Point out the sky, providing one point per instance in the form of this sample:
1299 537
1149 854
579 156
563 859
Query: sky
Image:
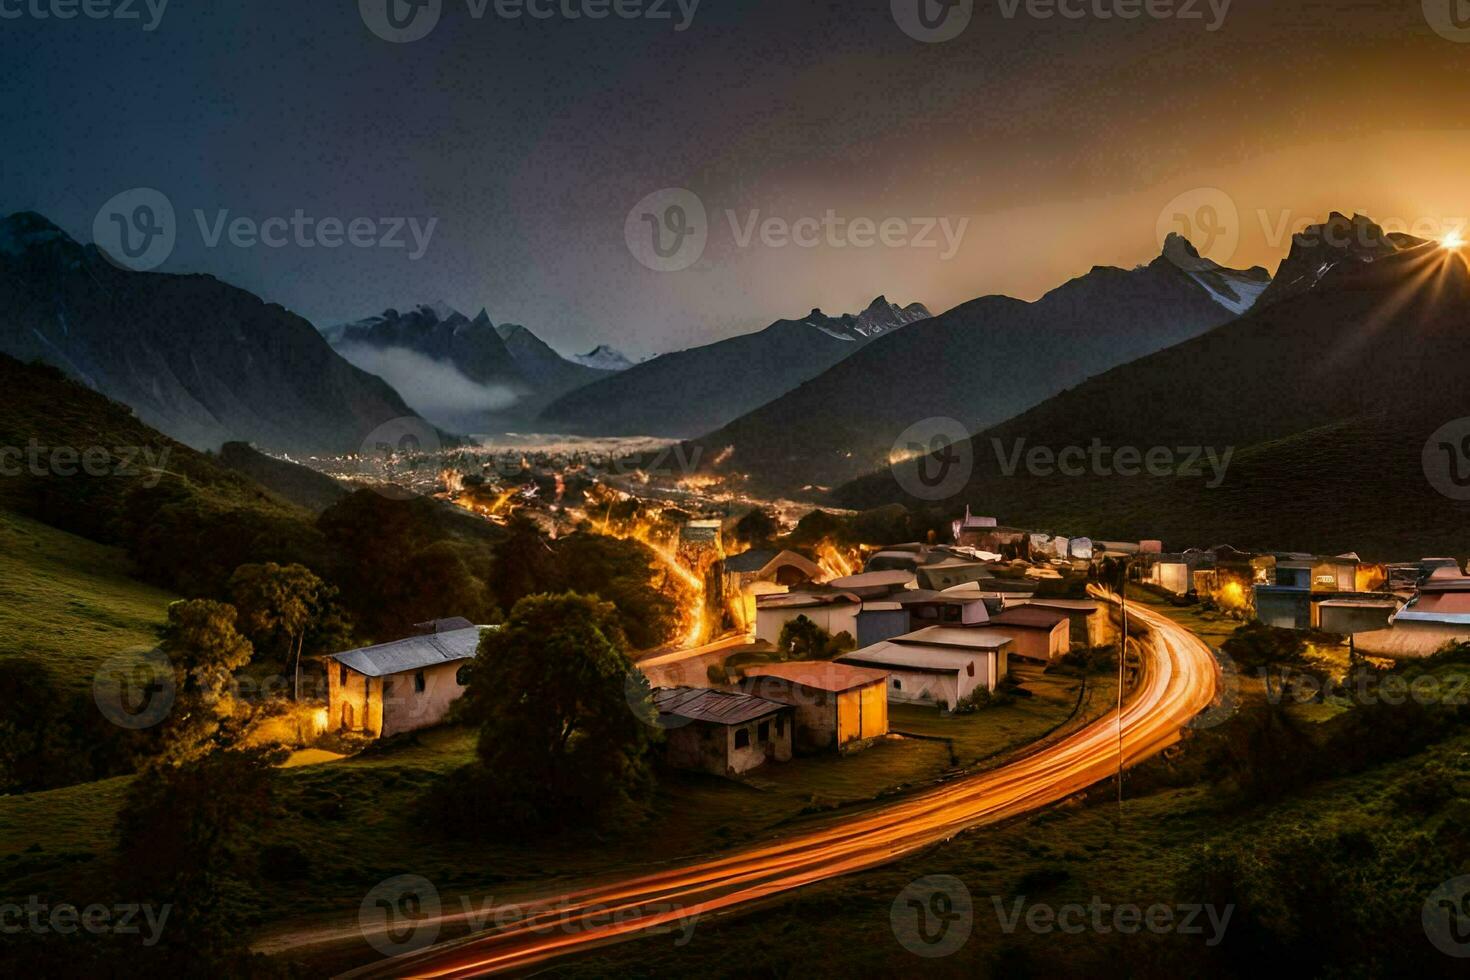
792 154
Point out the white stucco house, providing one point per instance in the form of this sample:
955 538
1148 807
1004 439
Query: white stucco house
940 665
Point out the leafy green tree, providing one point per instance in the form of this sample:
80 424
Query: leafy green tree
280 605
525 562
622 572
802 639
204 648
565 726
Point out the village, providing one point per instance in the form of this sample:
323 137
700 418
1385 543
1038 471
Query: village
818 665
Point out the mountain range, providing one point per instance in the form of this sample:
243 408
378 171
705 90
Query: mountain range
467 375
977 365
1340 398
693 391
195 358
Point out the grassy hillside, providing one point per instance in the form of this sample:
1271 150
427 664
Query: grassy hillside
70 603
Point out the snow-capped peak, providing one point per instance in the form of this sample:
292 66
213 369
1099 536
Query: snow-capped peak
604 358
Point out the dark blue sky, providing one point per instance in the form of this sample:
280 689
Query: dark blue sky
1058 141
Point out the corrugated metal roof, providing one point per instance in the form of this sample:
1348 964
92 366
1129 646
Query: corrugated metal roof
412 653
821 674
717 707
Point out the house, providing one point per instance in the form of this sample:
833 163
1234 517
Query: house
970 523
1175 572
763 572
954 570
835 612
400 686
917 608
838 706
1087 618
940 665
1439 615
721 732
1042 635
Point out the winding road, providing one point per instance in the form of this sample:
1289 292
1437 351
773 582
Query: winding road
1178 682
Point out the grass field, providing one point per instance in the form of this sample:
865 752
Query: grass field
69 603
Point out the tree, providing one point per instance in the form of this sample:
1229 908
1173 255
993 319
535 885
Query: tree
204 649
756 528
562 739
525 563
802 639
280 604
622 572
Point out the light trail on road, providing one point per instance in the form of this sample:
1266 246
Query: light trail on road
1178 682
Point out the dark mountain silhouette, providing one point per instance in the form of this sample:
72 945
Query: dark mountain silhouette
1332 395
196 358
978 364
692 391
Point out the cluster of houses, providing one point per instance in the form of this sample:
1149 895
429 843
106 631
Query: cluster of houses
1403 609
926 624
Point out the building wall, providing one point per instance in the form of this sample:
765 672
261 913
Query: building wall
357 704
877 625
924 687
833 619
1043 646
815 712
862 713
776 746
407 710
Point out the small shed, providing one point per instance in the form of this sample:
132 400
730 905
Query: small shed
720 732
939 664
1042 635
399 686
838 706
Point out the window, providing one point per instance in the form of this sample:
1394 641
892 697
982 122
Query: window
970 668
418 682
342 674
763 733
897 684
462 676
742 738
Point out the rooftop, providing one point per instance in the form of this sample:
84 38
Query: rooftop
821 675
954 637
717 707
412 653
1029 617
